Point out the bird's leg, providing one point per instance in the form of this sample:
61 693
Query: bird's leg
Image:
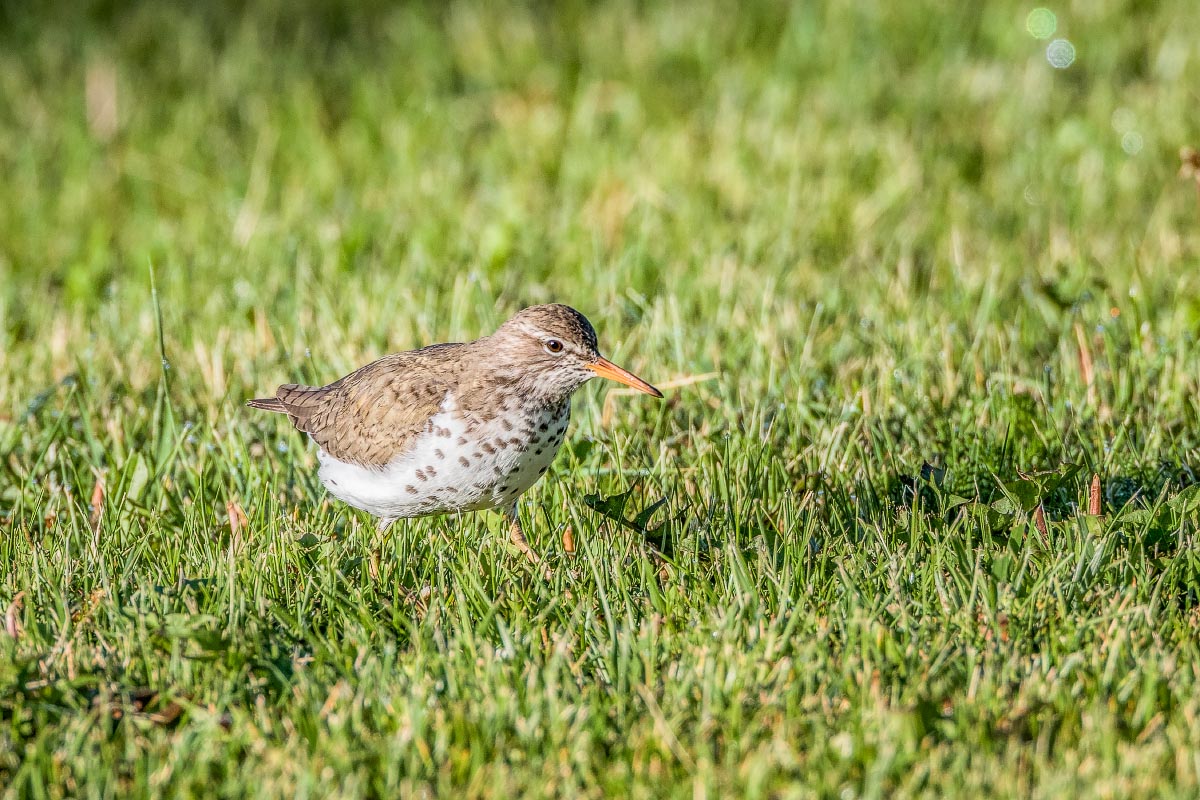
377 551
386 522
517 536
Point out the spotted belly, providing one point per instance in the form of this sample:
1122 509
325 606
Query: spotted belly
457 464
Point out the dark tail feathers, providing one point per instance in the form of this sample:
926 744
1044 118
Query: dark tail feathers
267 404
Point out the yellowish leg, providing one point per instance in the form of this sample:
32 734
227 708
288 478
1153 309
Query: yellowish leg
517 536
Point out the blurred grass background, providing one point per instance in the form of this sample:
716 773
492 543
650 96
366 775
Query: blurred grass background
904 242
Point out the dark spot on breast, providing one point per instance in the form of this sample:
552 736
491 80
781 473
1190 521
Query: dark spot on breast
411 489
462 440
537 452
439 453
333 483
488 448
462 460
504 423
542 471
504 487
477 454
431 470
543 427
444 433
502 444
497 470
421 475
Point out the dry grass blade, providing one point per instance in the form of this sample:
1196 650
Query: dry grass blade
1094 497
97 504
675 383
1086 366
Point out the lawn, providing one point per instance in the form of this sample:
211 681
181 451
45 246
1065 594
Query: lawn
917 517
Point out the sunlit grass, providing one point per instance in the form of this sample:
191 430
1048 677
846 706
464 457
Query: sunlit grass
910 282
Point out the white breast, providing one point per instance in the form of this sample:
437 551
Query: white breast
460 463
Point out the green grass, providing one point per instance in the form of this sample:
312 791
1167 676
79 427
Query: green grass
893 259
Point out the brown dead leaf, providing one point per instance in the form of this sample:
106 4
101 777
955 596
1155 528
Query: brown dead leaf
144 703
568 540
1189 165
1094 497
12 618
237 518
1039 521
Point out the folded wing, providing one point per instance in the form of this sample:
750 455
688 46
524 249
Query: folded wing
372 415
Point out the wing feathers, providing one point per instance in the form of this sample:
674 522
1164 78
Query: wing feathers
375 413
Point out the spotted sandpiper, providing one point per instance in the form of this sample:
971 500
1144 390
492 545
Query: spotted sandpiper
452 427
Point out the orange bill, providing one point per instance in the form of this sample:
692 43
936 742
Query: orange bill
606 369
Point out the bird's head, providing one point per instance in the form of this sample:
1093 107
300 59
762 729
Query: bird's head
554 348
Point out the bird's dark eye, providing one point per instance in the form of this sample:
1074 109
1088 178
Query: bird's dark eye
554 345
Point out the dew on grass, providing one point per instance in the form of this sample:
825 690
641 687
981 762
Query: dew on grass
282 447
1131 143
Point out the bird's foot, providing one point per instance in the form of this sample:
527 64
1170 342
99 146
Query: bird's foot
517 536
